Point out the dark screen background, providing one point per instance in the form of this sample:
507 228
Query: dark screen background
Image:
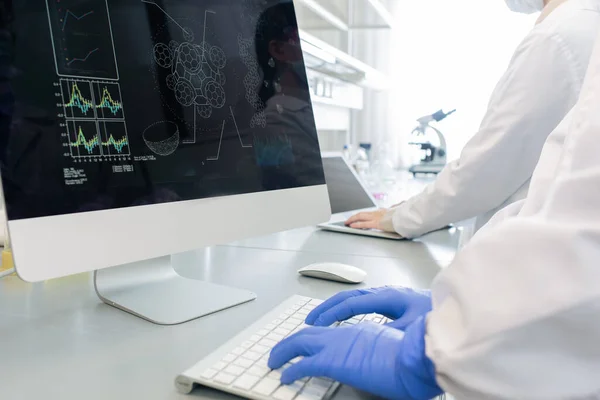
182 118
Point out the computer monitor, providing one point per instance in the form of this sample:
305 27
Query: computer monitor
346 191
134 130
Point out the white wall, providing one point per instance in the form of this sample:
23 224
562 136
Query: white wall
442 54
372 124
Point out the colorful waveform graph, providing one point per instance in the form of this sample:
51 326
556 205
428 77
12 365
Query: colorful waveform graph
78 99
115 141
84 140
108 100
118 145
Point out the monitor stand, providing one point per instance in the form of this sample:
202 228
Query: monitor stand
154 291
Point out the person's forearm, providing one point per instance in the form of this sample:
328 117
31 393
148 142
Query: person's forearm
501 157
460 192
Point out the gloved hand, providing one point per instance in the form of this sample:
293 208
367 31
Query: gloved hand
369 357
403 305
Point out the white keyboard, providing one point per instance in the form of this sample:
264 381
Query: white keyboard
240 366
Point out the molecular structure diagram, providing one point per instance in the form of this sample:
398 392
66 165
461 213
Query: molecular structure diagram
252 81
197 76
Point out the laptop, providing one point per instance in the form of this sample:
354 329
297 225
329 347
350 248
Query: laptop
348 196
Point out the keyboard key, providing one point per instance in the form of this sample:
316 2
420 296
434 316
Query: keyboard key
266 386
229 358
283 317
351 322
251 355
246 382
317 386
263 332
258 370
275 374
288 326
255 338
282 332
276 322
275 336
220 365
297 307
295 360
209 373
322 382
270 327
247 344
289 312
303 301
243 362
287 392
315 302
234 370
306 309
315 391
238 351
224 378
268 343
295 321
263 362
304 326
377 320
308 396
302 313
260 349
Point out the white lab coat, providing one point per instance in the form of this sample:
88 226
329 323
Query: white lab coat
517 314
540 86
542 177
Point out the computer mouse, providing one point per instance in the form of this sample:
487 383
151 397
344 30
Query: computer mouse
334 272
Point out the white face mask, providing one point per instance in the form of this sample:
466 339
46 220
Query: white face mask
525 6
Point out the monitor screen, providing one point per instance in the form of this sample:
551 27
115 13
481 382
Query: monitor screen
345 190
118 103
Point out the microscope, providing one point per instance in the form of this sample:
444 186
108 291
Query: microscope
432 154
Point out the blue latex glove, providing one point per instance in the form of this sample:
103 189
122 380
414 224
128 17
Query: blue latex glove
402 305
370 357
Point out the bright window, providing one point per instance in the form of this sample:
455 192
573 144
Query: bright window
449 54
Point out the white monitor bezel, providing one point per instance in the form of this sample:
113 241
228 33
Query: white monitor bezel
58 246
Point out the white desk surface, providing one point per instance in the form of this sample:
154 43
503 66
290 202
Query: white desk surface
60 342
439 245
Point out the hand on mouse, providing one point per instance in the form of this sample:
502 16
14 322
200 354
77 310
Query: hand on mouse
403 305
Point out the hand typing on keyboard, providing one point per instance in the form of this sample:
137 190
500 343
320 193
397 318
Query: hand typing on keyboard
377 359
402 305
242 365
